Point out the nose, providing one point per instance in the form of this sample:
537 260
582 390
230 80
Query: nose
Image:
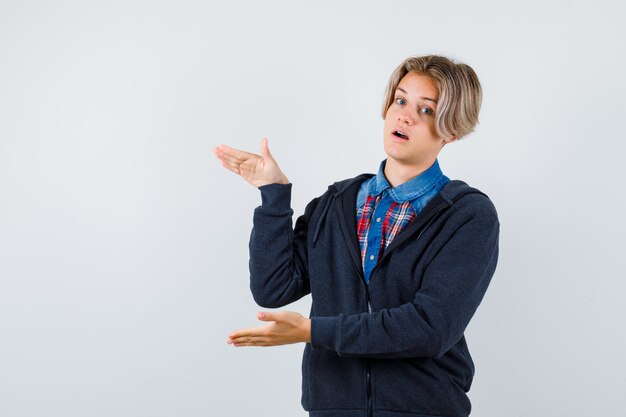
406 117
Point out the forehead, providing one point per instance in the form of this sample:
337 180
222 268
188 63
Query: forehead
419 84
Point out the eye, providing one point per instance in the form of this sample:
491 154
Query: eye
427 111
400 101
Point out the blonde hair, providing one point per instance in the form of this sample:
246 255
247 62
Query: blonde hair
460 94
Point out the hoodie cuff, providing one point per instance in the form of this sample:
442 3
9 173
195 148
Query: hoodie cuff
276 198
323 332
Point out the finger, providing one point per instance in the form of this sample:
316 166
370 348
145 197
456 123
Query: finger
260 344
236 153
239 340
230 163
231 167
224 156
250 332
250 340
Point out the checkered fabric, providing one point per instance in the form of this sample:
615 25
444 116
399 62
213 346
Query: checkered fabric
394 220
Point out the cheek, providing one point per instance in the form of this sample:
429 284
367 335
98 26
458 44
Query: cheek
387 119
431 126
388 124
390 113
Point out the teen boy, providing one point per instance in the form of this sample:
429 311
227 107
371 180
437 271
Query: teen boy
396 263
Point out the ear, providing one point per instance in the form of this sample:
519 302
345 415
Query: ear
449 140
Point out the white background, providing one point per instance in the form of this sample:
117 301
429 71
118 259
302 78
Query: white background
123 242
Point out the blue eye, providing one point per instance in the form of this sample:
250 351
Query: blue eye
426 110
400 101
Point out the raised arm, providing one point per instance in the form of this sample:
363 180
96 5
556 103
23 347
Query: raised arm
278 255
278 251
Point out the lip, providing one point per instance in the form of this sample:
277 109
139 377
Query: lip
399 139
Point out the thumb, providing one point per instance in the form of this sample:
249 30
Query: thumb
265 150
267 316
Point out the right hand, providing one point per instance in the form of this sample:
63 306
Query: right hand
258 170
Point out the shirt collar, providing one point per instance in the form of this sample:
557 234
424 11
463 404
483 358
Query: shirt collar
407 191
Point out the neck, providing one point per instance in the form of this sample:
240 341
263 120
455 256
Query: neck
398 173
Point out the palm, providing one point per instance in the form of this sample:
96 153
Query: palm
258 170
254 167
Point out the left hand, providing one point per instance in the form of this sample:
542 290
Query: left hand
285 327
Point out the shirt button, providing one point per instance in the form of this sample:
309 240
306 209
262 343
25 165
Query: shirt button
378 220
371 257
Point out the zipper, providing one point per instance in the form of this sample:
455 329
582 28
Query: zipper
368 365
422 223
386 252
368 377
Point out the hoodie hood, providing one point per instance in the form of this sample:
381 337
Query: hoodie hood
333 192
452 192
341 186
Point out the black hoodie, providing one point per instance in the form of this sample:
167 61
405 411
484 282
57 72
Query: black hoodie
393 347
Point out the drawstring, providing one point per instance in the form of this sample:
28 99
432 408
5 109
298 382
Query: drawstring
432 219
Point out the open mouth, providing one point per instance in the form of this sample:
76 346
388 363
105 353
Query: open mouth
400 135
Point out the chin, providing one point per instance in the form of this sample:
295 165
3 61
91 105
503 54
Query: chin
397 156
392 151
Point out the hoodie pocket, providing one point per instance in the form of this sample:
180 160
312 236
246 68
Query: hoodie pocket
335 382
417 385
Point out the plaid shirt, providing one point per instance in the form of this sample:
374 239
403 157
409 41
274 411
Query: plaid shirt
383 212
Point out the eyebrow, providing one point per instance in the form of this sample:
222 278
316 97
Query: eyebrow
423 98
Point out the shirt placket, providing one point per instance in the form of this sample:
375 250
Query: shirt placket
375 239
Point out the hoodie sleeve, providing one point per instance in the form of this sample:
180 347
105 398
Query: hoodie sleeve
452 288
278 253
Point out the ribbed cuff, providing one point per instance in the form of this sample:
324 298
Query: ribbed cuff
276 196
324 332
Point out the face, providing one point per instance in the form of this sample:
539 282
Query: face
409 135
